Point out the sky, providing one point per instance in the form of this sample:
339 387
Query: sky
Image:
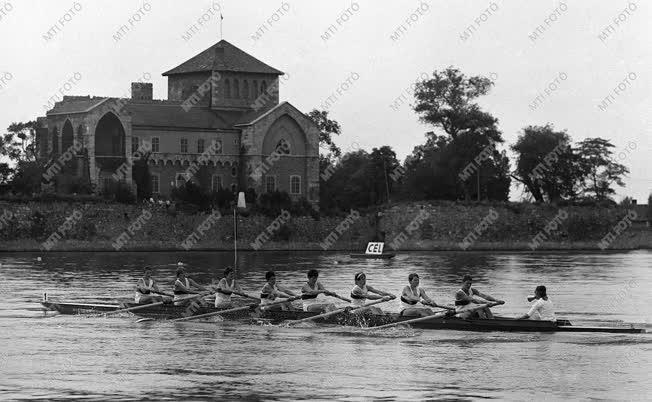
364 55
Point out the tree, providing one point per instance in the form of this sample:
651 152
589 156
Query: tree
5 173
546 164
27 179
382 163
19 144
141 176
447 101
599 167
327 129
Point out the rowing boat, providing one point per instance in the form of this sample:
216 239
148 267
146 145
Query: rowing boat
502 324
165 311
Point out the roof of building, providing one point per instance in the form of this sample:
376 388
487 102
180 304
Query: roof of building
223 56
641 212
168 114
76 104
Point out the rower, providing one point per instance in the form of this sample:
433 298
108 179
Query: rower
225 288
184 286
542 309
271 291
413 294
360 293
465 300
145 287
311 294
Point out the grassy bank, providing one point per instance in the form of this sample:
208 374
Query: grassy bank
412 226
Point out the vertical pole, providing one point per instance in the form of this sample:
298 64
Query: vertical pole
478 183
235 241
386 183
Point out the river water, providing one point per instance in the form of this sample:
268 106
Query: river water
115 358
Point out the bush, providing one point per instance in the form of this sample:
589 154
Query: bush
223 199
119 191
38 225
77 185
271 204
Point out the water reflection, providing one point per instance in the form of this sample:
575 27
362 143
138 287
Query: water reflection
116 358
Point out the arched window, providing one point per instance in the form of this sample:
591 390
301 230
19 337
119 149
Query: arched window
245 89
263 87
236 88
283 147
254 89
55 141
227 88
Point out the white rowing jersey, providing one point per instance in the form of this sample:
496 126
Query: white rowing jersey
542 310
309 300
149 286
359 295
178 293
405 303
224 298
268 293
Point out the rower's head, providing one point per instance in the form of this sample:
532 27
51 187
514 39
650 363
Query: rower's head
413 278
467 281
540 291
313 274
270 277
147 273
360 279
228 273
181 273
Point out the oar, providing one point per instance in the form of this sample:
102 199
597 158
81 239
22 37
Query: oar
124 310
340 297
437 315
330 313
232 310
235 292
435 305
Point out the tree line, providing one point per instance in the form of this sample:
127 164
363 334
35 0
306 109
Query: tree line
460 158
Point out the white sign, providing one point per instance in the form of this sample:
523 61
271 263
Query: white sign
374 248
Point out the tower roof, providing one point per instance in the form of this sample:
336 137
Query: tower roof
223 56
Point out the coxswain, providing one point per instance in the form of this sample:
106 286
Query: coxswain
145 287
542 308
184 286
465 300
271 291
311 295
413 294
361 292
225 288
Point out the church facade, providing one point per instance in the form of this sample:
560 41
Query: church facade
222 127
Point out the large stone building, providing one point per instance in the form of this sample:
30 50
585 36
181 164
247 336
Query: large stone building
222 113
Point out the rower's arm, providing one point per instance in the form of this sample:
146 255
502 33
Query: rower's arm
487 297
427 299
484 296
195 284
322 289
379 292
286 292
179 286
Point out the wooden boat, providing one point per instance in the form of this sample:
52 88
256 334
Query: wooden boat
502 324
166 311
384 256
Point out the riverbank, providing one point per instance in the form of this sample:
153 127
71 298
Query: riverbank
437 226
